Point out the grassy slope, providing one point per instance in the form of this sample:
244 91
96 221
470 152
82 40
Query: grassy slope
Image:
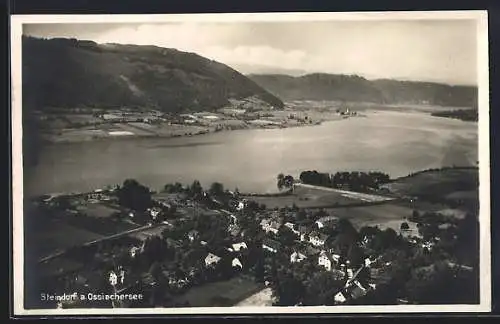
438 183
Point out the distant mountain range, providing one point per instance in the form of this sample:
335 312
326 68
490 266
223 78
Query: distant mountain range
322 86
74 73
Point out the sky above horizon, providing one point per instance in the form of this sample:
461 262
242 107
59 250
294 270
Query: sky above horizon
421 50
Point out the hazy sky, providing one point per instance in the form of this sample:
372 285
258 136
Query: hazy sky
440 50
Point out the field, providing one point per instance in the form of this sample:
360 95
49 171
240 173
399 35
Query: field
262 298
220 294
97 210
54 235
311 197
458 182
384 215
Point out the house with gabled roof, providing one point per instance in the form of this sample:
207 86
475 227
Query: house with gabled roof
270 226
211 259
236 263
193 235
317 239
328 260
339 298
292 227
297 256
304 233
326 221
236 247
271 245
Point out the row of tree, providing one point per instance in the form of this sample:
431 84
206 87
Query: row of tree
357 181
462 114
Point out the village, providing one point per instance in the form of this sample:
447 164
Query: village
167 244
92 123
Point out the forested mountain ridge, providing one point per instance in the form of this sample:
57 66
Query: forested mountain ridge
73 73
323 86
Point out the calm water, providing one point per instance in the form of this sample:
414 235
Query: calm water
393 142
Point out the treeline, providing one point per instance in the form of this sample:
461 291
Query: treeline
462 114
412 174
357 181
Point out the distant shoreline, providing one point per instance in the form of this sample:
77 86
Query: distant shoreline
129 130
55 140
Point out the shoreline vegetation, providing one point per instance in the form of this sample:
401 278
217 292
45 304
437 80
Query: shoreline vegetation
342 180
470 115
64 125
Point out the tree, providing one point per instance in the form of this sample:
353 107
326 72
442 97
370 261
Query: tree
280 181
415 216
289 290
301 215
404 226
356 255
196 189
428 231
286 236
385 239
216 189
369 231
321 286
134 195
288 182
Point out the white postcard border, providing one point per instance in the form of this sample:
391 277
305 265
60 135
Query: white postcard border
484 162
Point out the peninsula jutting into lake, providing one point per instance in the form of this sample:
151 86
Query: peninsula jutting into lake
234 165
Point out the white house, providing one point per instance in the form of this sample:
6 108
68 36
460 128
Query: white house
238 246
369 262
428 245
296 257
271 245
350 273
236 263
339 298
154 212
122 276
325 221
240 206
136 249
113 278
270 226
317 239
326 260
211 259
193 235
265 223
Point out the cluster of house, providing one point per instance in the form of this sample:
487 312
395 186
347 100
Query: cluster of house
98 195
212 259
326 258
311 234
198 117
121 117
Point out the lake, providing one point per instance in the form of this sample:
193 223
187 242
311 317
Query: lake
393 142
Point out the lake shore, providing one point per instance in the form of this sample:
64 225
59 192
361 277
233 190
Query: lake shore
65 133
392 142
185 131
